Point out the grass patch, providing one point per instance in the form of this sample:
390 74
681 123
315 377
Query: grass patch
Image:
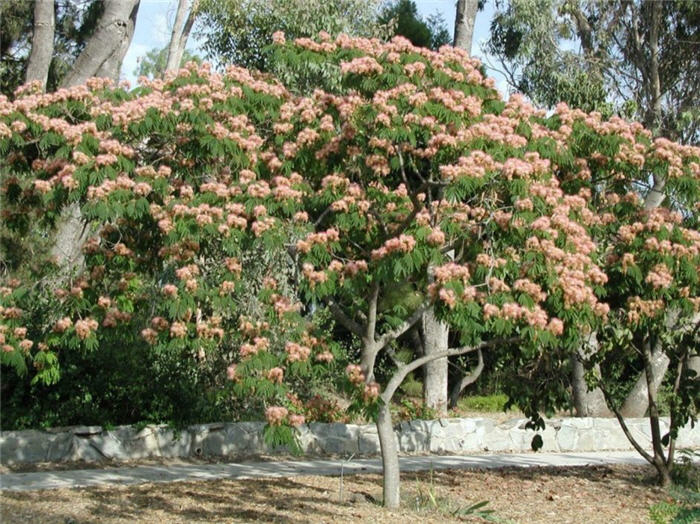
487 404
683 507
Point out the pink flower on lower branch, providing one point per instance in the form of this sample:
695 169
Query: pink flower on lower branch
371 391
355 374
275 375
275 415
296 420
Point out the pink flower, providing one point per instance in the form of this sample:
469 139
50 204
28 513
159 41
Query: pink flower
275 375
296 420
278 37
275 415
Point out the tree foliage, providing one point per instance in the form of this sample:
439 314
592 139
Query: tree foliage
632 58
403 16
75 22
532 222
152 64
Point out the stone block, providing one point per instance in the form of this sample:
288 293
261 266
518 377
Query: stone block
173 443
139 444
368 440
335 438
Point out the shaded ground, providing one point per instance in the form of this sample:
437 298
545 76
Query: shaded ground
594 494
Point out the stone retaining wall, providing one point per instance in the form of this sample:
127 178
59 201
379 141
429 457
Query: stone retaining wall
244 439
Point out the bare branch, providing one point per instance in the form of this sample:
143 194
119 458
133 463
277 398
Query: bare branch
405 326
345 320
373 300
624 427
400 375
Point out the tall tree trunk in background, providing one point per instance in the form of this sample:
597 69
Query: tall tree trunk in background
637 401
464 24
104 52
102 57
587 402
180 34
42 43
436 334
436 340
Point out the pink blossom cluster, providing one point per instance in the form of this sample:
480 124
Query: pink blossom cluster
85 327
276 415
402 244
355 374
312 276
296 352
321 238
361 66
659 277
474 165
259 344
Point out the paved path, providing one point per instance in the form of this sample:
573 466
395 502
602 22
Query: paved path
288 468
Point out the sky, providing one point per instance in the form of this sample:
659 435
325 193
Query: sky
155 18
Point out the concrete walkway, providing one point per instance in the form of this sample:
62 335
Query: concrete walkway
181 473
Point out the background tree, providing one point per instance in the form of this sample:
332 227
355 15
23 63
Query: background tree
42 43
239 32
74 23
152 64
403 16
465 17
630 57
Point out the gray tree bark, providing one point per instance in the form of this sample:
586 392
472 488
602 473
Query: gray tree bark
435 340
180 34
71 234
105 50
42 43
637 401
466 380
390 458
102 56
587 402
464 24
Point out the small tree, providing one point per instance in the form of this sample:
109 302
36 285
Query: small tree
417 165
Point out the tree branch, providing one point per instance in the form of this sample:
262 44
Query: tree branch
345 320
372 312
405 326
624 427
400 375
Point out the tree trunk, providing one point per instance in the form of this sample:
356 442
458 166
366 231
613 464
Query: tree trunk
102 56
637 401
465 380
42 43
464 24
652 385
105 50
587 403
71 234
435 340
390 457
180 34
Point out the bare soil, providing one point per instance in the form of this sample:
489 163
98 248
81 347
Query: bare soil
590 495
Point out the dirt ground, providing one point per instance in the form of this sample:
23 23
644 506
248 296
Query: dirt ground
595 494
